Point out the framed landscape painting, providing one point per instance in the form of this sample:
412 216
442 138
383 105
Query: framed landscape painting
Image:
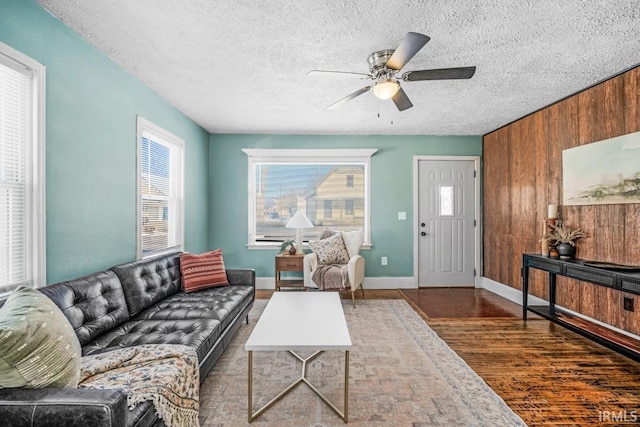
604 172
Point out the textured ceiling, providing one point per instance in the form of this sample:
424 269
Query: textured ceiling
239 66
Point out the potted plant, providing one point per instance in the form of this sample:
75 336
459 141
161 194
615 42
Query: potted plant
563 238
288 245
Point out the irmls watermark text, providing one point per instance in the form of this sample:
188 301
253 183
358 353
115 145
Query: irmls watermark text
618 416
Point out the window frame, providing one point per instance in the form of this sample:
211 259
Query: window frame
13 58
142 126
313 156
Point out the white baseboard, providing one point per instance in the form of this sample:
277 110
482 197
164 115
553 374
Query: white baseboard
369 283
265 283
515 295
512 294
389 283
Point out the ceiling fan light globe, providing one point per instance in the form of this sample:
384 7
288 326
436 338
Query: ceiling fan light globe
385 89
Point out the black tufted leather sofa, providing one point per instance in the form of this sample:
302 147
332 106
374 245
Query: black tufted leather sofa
140 302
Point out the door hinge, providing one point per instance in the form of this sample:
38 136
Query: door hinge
474 222
474 174
474 272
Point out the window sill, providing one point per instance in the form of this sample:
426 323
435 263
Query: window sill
271 246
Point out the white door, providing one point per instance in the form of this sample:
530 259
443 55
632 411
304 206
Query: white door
446 223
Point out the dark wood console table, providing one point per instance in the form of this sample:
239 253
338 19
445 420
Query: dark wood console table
625 280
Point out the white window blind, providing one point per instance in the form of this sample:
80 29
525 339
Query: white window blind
160 190
21 186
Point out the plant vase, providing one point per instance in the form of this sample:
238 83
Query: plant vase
566 250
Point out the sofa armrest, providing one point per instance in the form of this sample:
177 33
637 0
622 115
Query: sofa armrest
63 407
239 276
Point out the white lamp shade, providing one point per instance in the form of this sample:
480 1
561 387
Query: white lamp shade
299 220
385 89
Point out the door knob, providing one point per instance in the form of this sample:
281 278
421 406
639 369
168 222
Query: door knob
423 234
422 224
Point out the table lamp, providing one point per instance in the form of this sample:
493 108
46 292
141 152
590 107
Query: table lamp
299 221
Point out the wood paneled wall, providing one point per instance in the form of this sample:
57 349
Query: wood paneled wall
522 174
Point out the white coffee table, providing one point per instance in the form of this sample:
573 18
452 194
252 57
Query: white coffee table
301 321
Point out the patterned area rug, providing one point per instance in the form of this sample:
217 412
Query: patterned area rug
401 374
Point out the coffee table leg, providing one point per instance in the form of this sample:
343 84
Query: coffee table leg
344 415
250 388
346 386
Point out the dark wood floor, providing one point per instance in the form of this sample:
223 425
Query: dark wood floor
548 375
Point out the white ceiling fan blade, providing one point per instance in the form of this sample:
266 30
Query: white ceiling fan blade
401 100
439 74
338 74
349 97
409 46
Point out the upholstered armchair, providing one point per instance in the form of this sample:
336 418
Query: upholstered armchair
335 263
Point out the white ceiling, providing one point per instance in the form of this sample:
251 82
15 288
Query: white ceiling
239 66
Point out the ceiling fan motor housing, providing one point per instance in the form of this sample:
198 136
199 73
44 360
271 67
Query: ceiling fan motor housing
378 61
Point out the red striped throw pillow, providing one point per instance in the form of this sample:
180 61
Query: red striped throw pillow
202 271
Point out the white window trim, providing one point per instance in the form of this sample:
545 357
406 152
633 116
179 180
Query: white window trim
39 245
143 125
333 156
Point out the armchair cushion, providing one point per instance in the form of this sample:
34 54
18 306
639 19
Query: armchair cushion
330 250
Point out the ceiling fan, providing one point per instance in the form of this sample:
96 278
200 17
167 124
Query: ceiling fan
384 67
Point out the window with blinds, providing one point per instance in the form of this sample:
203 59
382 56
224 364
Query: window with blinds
22 250
160 224
330 186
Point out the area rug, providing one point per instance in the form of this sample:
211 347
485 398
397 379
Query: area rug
401 374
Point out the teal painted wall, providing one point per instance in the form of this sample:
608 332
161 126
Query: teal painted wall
92 105
391 186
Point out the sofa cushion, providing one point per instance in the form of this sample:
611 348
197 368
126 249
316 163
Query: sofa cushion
93 304
330 250
200 334
222 304
38 347
148 281
202 271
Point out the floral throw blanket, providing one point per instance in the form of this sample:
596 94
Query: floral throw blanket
165 374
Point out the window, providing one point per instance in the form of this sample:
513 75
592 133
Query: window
446 200
350 181
327 214
332 187
160 191
22 137
348 207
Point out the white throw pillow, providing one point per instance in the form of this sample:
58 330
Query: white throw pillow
353 241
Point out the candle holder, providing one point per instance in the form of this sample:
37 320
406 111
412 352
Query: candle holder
547 248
